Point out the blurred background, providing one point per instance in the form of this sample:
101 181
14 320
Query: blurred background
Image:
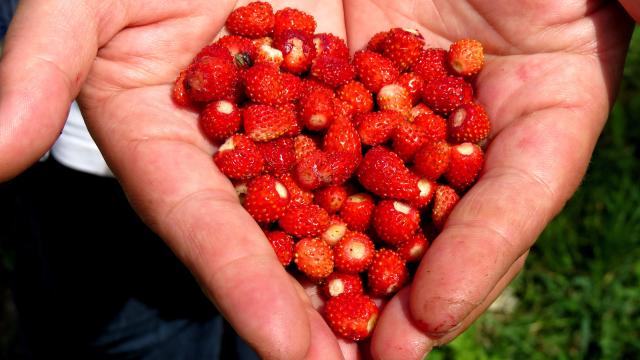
579 294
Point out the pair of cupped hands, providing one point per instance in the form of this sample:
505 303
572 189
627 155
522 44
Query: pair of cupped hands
552 70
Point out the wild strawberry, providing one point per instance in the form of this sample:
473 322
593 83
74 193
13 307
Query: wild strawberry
293 19
297 50
413 83
445 94
266 199
314 258
377 127
465 163
266 53
383 173
444 200
264 123
296 194
353 253
374 70
342 136
330 45
304 220
357 95
331 198
407 139
414 249
333 71
213 50
253 20
304 146
352 316
403 47
427 190
466 57
377 41
395 221
282 245
238 158
357 211
432 159
290 111
278 155
264 84
395 97
387 273
219 120
210 79
325 168
292 88
433 126
418 110
334 231
317 109
339 283
179 93
242 50
431 64
307 170
469 123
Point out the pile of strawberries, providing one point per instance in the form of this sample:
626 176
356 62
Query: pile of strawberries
350 165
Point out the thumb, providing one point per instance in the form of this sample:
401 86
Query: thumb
48 52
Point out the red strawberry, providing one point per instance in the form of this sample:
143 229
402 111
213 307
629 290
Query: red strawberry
242 50
179 93
414 84
333 71
407 139
335 231
331 198
432 159
377 41
395 221
387 273
374 70
395 97
340 167
330 45
266 53
266 199
304 220
314 258
278 155
211 78
466 57
342 283
304 146
444 200
377 127
418 110
282 245
357 211
296 194
433 126
383 173
469 123
317 109
413 249
297 50
293 19
342 136
445 94
427 189
264 85
213 50
403 47
465 163
307 170
431 64
290 111
238 158
264 123
352 316
292 88
357 95
253 20
353 253
219 120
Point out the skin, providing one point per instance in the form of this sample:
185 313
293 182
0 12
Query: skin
551 72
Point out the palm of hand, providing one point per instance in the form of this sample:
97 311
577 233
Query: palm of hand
547 84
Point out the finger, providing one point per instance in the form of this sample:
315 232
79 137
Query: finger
398 337
532 167
48 51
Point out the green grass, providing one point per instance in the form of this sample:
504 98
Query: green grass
579 295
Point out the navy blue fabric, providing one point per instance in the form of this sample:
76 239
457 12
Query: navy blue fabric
7 7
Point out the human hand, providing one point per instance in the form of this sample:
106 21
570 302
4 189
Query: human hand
551 72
